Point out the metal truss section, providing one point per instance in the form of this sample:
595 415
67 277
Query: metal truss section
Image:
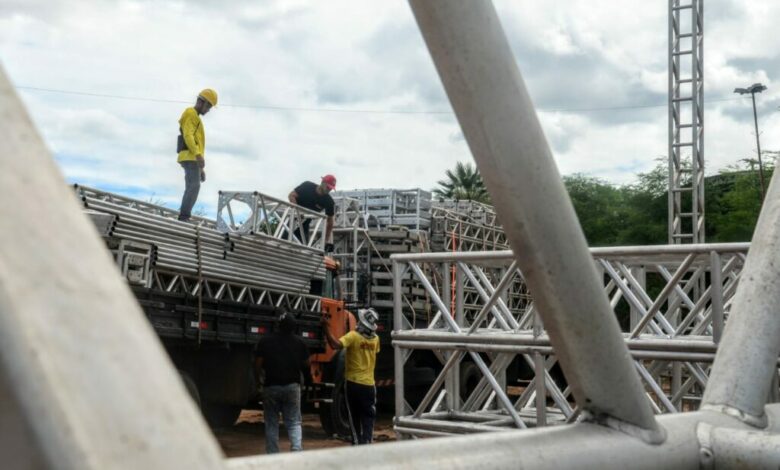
217 289
261 214
190 249
686 121
458 230
410 208
672 338
348 214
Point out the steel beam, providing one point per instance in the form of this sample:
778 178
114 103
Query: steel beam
744 367
486 90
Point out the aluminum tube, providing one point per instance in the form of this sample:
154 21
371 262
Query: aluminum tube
682 344
597 252
546 350
398 354
583 446
717 296
745 364
497 117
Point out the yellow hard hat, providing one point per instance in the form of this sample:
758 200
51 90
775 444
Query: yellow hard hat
209 95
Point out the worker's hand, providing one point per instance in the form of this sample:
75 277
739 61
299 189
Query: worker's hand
201 161
202 176
329 248
324 322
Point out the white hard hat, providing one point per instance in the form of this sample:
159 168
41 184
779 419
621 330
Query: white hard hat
368 318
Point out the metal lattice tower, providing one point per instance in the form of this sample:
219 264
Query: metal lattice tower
686 121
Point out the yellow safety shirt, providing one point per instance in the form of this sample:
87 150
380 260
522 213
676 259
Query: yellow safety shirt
194 136
361 357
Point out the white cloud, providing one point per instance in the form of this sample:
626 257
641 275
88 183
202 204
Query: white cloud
358 55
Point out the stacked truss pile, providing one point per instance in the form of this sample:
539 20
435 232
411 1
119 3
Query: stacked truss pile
409 208
201 250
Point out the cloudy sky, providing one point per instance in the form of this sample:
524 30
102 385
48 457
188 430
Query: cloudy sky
347 87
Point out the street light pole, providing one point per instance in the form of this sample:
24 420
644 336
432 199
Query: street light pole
753 89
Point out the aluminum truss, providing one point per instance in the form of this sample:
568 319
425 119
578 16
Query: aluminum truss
686 121
672 338
457 230
348 214
410 208
270 216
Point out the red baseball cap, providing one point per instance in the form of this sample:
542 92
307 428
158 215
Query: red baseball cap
330 181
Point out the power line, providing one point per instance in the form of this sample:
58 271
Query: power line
341 110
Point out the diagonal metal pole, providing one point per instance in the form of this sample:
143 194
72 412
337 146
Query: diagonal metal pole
487 92
747 356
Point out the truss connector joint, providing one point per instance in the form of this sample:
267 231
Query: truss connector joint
760 422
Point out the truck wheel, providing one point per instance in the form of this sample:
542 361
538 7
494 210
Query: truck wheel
334 417
219 415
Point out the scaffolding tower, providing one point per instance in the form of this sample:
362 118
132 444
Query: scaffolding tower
686 113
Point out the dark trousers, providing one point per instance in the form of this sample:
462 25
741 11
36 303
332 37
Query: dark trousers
361 401
191 188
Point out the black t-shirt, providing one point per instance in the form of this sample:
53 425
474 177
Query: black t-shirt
309 198
284 359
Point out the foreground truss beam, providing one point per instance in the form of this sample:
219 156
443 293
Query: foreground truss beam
487 92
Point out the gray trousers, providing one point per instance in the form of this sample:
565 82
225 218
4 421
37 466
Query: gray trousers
191 188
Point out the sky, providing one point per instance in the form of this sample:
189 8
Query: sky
347 87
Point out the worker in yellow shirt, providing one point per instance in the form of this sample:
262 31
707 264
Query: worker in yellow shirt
361 346
191 146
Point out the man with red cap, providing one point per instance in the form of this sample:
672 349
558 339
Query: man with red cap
315 197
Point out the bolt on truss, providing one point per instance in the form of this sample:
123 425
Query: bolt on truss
672 338
686 121
263 214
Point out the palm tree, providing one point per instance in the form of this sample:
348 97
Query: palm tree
465 183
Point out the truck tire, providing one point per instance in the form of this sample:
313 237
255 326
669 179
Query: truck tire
334 416
219 415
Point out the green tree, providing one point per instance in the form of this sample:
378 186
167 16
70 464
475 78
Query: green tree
599 206
464 183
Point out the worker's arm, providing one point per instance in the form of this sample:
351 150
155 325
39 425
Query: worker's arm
293 197
329 230
332 341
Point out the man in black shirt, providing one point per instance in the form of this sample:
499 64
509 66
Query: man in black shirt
315 197
285 359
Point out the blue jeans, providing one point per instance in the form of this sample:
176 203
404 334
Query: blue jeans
191 188
287 400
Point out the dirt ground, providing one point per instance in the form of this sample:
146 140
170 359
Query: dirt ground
247 436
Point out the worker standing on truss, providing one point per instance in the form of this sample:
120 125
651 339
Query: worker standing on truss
191 146
284 358
361 346
316 198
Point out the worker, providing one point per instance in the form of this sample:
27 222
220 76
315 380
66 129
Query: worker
284 359
362 346
316 197
191 147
